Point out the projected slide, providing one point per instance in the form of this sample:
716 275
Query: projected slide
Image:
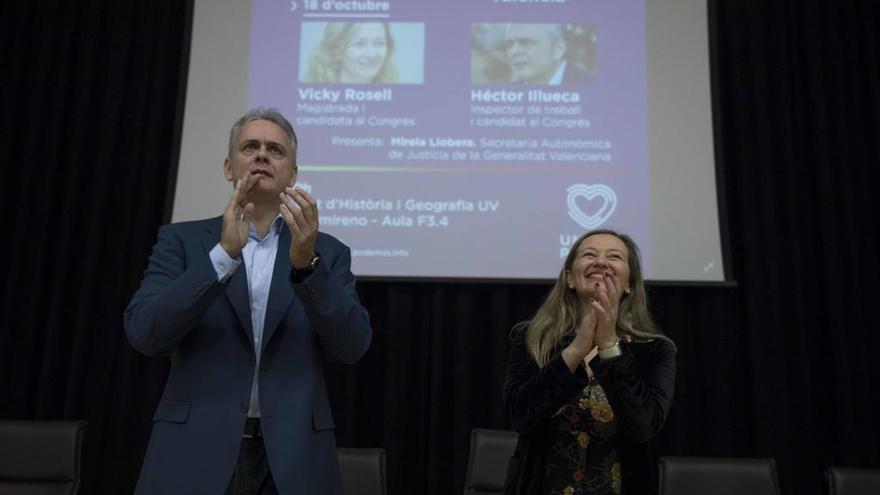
434 131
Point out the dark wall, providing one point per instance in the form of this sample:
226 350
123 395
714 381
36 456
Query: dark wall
781 365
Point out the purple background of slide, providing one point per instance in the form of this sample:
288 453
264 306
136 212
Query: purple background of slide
523 238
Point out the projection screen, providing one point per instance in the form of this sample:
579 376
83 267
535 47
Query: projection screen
471 138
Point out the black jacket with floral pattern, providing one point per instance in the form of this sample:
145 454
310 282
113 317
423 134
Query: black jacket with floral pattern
639 385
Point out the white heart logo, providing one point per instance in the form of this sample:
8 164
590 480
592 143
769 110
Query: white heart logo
590 191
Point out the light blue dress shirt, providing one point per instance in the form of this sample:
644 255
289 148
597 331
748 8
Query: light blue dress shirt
258 256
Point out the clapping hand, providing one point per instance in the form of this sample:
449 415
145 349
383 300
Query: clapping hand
300 211
605 305
584 339
237 217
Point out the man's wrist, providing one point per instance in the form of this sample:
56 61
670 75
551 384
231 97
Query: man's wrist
224 265
232 253
299 274
301 262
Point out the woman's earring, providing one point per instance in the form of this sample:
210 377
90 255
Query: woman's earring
627 291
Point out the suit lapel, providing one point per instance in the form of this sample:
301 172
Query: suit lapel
238 294
280 293
237 286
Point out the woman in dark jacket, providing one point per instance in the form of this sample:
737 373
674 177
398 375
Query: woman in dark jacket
589 379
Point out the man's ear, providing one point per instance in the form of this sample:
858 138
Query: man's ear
227 169
559 49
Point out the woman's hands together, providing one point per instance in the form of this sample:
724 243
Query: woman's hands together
606 305
598 325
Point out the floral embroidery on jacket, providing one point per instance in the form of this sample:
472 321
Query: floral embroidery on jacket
582 455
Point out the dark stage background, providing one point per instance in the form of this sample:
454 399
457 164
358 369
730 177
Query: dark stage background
783 365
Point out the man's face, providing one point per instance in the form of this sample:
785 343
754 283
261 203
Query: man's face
532 52
264 149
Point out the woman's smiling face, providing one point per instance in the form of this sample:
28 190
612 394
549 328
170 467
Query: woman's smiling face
364 54
599 256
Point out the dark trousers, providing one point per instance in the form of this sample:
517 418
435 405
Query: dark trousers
252 475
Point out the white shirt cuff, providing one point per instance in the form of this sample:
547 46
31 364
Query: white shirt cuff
223 264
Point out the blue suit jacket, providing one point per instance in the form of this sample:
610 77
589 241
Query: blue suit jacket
183 311
575 75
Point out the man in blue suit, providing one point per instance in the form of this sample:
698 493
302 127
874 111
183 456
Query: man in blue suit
248 306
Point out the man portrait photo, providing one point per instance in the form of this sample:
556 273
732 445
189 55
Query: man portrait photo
550 54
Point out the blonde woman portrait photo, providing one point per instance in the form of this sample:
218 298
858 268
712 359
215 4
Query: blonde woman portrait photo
361 52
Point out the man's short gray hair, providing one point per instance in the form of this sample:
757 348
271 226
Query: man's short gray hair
555 31
262 113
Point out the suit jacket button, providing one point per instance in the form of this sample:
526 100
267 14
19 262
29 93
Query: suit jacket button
243 408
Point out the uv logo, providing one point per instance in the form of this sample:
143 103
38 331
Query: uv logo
607 199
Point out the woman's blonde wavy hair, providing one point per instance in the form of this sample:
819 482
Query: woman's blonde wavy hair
324 66
561 311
